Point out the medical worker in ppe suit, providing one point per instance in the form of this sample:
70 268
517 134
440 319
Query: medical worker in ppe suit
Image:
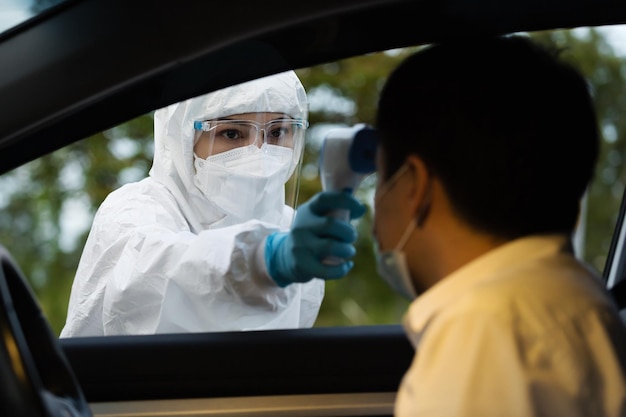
206 241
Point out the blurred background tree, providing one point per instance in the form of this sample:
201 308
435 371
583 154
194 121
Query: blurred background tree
589 51
47 205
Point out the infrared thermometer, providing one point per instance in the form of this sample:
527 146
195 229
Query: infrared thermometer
347 156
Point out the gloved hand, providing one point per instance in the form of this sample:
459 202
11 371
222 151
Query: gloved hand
297 256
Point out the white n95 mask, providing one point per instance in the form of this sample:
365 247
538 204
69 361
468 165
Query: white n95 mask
391 265
246 183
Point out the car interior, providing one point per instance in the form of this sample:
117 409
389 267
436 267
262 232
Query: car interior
78 68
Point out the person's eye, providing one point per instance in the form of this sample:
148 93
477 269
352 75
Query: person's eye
232 134
278 132
282 130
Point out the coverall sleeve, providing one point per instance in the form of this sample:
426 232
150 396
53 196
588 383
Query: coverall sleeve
143 272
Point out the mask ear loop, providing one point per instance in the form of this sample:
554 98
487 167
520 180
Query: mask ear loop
406 235
388 185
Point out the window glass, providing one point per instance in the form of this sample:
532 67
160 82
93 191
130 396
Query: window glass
47 206
14 12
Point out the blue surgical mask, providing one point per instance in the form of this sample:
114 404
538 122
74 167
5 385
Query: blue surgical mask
392 266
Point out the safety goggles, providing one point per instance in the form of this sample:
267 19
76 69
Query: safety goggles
227 134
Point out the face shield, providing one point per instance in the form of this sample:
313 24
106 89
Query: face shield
261 130
250 129
248 162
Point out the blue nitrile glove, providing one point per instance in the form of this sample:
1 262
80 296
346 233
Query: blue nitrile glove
297 256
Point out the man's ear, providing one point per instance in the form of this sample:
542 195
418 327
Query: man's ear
420 193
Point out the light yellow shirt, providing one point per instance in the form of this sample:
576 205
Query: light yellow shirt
524 330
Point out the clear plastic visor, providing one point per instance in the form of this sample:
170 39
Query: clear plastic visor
220 135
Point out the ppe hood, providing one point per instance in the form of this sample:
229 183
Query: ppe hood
173 164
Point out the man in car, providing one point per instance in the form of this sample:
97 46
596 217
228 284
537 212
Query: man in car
487 148
207 241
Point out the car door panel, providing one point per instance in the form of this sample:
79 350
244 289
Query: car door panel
324 368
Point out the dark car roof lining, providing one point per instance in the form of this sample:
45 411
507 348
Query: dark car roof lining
67 75
210 365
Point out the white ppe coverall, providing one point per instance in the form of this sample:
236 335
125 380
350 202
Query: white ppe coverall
163 257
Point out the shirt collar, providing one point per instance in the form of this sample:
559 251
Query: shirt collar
484 268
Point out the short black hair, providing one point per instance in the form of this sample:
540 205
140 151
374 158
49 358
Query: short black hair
508 128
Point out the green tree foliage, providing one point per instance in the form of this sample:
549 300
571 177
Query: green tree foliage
42 202
589 51
47 197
